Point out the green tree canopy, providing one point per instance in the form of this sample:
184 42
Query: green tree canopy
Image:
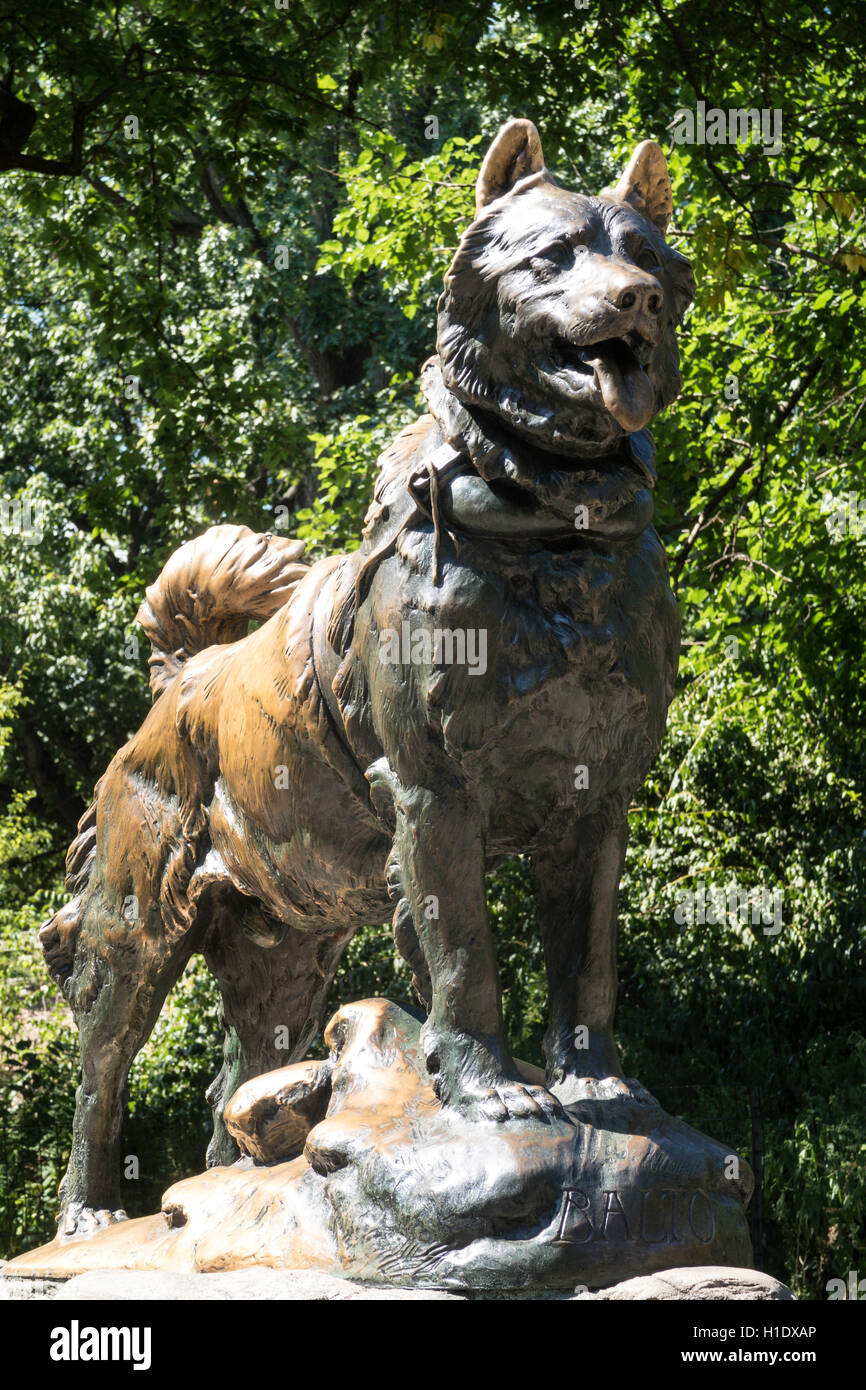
223 229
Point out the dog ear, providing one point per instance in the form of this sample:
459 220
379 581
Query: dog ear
646 185
514 155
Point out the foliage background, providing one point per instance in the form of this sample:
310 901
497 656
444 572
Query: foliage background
217 310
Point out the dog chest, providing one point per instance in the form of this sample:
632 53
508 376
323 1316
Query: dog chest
531 663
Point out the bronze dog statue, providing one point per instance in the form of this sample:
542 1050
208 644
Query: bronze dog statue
489 674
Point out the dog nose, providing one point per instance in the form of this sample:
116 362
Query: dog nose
642 295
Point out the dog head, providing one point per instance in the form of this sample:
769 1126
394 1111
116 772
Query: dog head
560 310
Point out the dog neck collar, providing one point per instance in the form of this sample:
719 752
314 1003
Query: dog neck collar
614 492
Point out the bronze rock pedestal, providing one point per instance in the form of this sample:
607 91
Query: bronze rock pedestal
352 1167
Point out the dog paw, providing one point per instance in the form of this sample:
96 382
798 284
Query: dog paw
477 1080
507 1100
573 1089
78 1222
515 1101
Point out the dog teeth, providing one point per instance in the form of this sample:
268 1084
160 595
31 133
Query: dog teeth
567 356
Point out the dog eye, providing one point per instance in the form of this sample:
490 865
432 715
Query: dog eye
558 253
648 260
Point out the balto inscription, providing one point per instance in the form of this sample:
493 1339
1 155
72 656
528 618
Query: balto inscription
646 1216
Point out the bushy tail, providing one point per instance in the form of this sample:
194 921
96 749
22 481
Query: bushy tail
210 589
207 593
59 935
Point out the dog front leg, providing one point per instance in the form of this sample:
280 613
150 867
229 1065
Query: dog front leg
577 882
438 845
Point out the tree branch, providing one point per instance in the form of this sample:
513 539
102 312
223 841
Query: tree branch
16 125
711 506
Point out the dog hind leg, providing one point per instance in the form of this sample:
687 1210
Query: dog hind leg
272 1003
116 994
407 943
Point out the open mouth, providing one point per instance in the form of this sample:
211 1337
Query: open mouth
617 368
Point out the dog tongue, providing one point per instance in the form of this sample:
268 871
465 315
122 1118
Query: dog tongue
624 385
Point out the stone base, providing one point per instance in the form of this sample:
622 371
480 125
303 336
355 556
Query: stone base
287 1285
392 1189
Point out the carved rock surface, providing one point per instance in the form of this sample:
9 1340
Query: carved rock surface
393 1189
271 1115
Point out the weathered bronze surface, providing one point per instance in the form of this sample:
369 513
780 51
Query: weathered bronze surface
393 1187
489 674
